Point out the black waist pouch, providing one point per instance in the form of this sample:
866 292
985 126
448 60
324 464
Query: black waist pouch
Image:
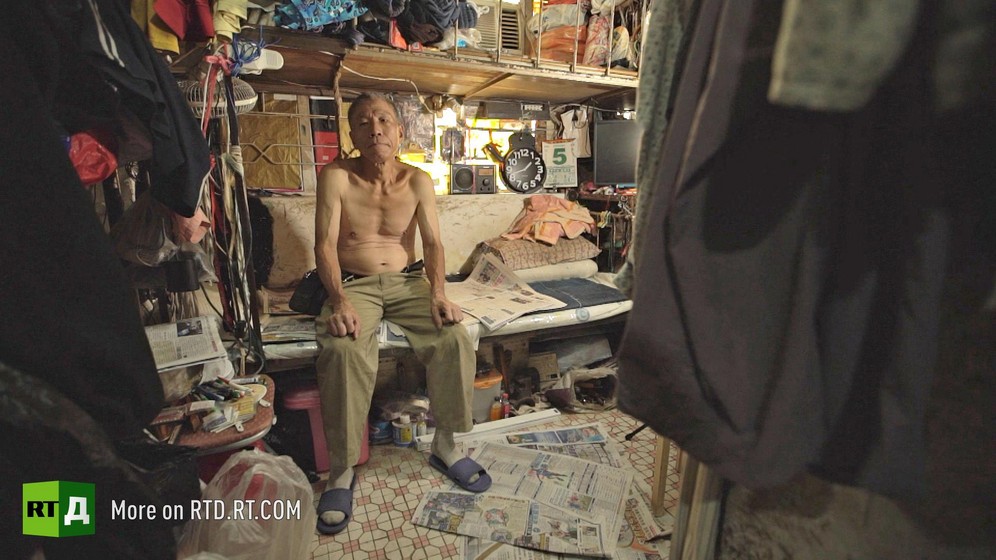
310 295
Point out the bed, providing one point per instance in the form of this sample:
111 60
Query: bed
567 273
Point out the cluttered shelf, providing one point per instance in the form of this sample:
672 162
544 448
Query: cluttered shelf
311 61
617 197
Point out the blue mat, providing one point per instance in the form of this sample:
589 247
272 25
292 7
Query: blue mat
578 292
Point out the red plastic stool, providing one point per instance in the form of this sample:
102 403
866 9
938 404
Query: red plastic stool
305 397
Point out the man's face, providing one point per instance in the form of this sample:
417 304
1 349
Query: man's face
375 130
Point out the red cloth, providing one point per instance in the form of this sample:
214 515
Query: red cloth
191 20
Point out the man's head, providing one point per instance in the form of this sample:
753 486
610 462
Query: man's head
375 127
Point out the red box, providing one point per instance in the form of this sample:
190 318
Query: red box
326 149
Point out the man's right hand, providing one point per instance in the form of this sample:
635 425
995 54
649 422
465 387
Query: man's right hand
344 320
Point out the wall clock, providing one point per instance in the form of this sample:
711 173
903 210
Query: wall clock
522 167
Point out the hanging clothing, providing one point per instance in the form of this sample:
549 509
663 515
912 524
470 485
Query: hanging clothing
666 40
191 20
836 55
791 265
576 125
228 17
160 35
114 44
76 371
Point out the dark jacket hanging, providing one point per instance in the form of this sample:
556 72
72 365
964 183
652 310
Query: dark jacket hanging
115 45
789 279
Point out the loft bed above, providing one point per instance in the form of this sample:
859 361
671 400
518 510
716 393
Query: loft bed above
312 62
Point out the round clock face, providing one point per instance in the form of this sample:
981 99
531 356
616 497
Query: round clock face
524 170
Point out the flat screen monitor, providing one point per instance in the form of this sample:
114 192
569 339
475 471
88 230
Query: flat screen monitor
617 143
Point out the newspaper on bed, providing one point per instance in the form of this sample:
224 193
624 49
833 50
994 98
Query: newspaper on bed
185 342
288 329
495 295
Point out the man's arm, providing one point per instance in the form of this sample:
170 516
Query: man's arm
328 216
443 310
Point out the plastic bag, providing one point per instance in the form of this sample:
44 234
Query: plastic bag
558 43
555 16
281 491
470 37
596 51
585 390
141 236
606 6
92 154
170 470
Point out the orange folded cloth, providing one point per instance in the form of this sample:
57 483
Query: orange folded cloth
547 218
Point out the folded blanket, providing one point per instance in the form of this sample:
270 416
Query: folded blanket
547 218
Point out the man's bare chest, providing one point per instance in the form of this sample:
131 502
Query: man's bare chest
380 215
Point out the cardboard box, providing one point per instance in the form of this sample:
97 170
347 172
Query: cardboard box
546 364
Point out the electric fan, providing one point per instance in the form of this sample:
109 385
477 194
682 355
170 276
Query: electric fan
193 91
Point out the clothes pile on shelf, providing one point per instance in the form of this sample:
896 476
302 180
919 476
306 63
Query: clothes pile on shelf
585 25
441 23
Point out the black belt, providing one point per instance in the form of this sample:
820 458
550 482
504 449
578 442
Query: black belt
414 267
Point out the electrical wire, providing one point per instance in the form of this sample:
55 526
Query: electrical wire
367 76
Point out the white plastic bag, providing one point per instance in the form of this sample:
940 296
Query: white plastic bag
557 15
280 491
463 38
606 6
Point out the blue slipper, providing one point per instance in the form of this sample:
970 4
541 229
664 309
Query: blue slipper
462 471
336 499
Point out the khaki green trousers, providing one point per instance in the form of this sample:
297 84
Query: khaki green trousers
347 368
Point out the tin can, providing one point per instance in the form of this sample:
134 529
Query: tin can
402 431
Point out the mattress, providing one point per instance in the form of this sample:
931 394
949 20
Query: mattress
586 300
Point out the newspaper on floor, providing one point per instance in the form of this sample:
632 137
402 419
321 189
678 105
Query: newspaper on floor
587 442
562 488
185 342
517 521
495 295
590 442
592 491
638 526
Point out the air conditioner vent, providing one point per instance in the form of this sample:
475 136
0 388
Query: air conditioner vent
510 30
509 25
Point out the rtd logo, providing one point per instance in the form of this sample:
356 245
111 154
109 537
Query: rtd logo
58 508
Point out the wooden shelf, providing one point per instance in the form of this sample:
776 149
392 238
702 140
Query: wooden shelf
311 59
606 197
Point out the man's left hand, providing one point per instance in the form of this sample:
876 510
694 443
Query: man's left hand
445 312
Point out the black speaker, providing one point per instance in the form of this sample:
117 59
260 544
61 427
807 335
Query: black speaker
473 179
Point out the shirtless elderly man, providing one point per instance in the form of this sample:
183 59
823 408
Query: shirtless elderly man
368 210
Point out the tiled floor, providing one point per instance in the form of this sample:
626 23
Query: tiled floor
392 483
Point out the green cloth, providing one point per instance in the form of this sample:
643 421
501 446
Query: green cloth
833 56
663 41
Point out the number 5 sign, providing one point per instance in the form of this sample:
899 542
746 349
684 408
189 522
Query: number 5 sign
561 163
